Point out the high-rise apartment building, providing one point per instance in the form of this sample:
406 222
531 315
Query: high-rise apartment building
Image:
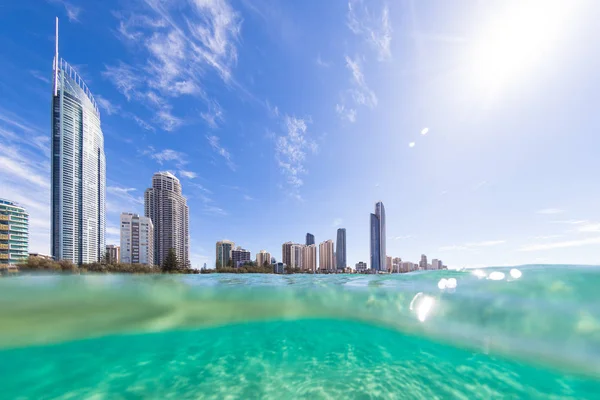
137 239
240 256
263 257
286 253
378 238
310 239
408 266
340 250
396 265
326 259
388 263
296 252
309 258
165 205
436 264
78 169
14 234
423 262
224 248
113 253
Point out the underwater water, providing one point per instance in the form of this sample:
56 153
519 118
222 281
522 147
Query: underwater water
531 332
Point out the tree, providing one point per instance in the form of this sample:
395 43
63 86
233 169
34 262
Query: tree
171 263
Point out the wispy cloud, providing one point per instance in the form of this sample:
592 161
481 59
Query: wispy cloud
359 94
560 245
290 152
188 174
373 28
549 211
321 63
403 237
480 185
273 110
337 222
248 198
472 245
168 155
179 42
106 105
214 143
40 76
71 10
123 199
213 115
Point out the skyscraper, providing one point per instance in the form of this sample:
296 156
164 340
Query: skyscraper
423 262
224 248
167 208
137 239
340 250
286 253
309 258
14 234
310 239
378 238
326 259
296 252
263 257
78 190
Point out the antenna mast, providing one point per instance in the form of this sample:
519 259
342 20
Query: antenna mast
56 61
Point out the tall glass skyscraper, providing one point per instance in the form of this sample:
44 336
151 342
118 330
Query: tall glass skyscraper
78 169
378 252
340 249
310 239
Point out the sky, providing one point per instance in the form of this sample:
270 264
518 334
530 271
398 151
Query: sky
475 122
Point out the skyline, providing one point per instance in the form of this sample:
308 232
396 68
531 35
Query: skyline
494 167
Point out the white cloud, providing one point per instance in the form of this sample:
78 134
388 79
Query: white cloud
273 110
321 63
375 29
106 105
248 198
472 245
188 174
290 152
71 10
214 143
480 185
346 113
166 155
168 121
403 237
337 222
560 245
549 211
40 76
125 78
411 144
424 131
213 115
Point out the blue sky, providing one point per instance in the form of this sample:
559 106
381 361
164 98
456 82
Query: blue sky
476 123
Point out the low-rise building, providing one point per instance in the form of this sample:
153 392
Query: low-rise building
14 234
361 267
240 256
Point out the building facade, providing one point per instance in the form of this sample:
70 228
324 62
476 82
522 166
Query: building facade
296 252
408 266
436 264
309 258
388 264
310 239
378 238
113 253
165 205
286 252
14 234
240 256
78 169
263 257
423 262
137 239
326 259
361 267
340 250
223 254
396 265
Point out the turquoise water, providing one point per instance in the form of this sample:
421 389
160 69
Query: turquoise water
536 335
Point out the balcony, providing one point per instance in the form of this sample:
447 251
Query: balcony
3 227
3 256
4 218
3 246
3 237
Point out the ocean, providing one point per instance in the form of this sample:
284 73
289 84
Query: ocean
525 332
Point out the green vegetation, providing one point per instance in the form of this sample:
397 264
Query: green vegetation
171 264
249 267
39 264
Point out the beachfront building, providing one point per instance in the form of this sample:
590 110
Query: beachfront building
263 257
113 253
310 239
166 206
340 250
378 238
423 263
309 258
326 258
14 234
137 239
240 256
78 168
223 253
296 252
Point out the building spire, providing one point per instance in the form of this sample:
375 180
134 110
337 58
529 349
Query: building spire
56 61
